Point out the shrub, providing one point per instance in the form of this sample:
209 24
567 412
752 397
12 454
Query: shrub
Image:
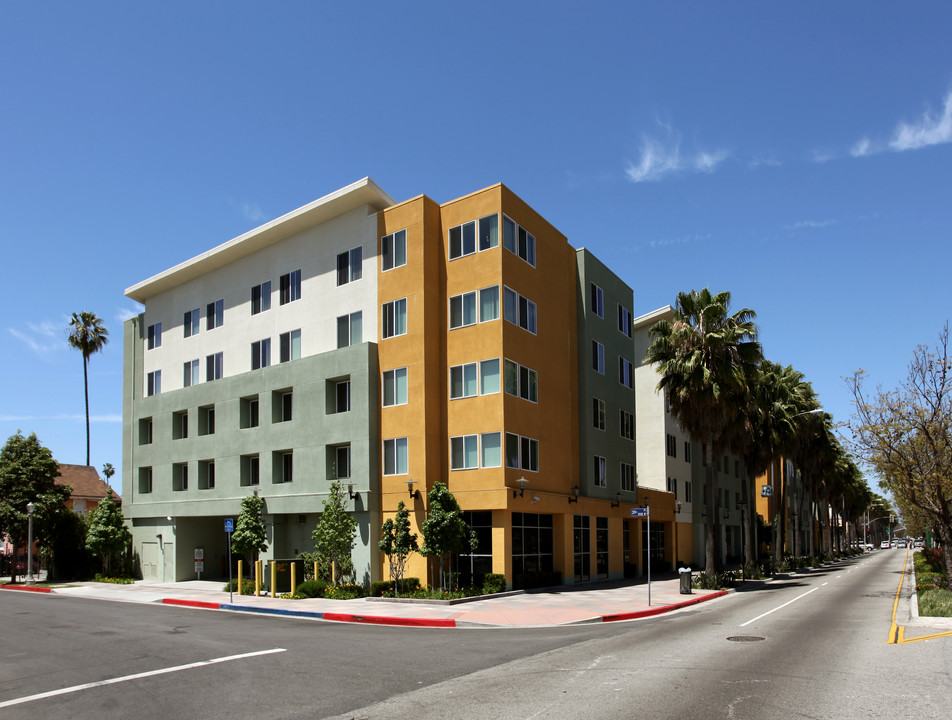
384 588
709 580
114 580
753 571
494 583
347 591
247 586
311 589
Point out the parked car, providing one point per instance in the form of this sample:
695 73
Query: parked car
901 544
884 545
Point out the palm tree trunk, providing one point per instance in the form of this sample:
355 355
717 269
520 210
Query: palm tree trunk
86 389
711 561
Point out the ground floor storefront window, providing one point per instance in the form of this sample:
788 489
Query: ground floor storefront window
532 551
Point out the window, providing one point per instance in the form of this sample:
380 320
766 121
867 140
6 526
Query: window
191 322
626 424
145 431
627 473
519 310
283 467
261 354
290 343
598 357
395 387
250 470
206 420
463 381
214 367
145 480
518 240
179 477
393 249
488 232
532 543
522 452
180 425
349 266
624 321
521 381
462 310
598 301
261 298
673 486
462 240
598 414
282 406
394 318
489 376
491 450
342 396
395 457
687 451
626 373
489 304
464 452
154 336
687 491
290 287
153 382
214 314
248 412
671 446
342 461
349 330
190 373
600 477
206 474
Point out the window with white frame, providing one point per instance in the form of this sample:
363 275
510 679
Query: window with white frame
522 452
349 329
488 232
396 456
626 374
261 298
517 240
521 381
154 336
598 413
214 366
191 322
627 473
342 461
290 345
673 486
598 301
349 266
598 357
489 376
290 287
214 314
624 320
490 450
462 240
626 424
489 304
519 310
342 396
601 476
463 381
671 446
464 452
191 376
395 387
284 470
394 318
153 382
462 310
260 354
393 250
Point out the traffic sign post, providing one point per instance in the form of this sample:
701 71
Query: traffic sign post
229 529
645 512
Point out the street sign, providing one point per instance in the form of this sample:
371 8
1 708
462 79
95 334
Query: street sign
766 491
229 525
639 512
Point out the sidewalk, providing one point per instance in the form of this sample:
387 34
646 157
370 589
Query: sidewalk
589 603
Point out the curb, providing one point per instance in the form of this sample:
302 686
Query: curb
661 610
26 588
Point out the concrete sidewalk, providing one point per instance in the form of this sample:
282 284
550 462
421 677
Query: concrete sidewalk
592 602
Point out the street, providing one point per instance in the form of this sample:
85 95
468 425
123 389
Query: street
814 645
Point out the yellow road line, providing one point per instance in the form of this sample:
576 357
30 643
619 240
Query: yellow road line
897 632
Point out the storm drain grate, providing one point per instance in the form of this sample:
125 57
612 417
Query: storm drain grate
744 638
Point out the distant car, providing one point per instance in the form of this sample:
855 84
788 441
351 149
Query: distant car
884 545
919 544
901 544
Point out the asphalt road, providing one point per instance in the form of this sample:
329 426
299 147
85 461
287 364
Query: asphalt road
815 646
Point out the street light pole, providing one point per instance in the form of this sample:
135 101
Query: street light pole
30 507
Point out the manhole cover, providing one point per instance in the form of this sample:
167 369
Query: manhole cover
744 638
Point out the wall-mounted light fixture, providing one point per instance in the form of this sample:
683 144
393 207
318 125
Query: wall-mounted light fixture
522 488
573 498
350 491
677 508
617 501
414 494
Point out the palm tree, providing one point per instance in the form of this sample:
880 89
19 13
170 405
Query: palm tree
704 356
87 334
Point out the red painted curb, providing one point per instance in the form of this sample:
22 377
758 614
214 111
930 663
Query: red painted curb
25 588
376 620
191 603
661 610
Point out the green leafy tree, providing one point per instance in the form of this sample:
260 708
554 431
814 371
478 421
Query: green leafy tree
87 334
27 472
704 356
248 539
336 533
445 533
397 543
107 533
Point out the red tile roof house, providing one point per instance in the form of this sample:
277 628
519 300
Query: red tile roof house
88 487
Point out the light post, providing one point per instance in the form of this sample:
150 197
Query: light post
30 507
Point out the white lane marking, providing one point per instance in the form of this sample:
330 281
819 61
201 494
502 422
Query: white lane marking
137 676
780 607
825 584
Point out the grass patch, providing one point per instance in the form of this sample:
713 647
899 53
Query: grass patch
935 602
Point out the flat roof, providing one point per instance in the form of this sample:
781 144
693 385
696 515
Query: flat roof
363 192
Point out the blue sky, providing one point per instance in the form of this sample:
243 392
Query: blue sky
796 154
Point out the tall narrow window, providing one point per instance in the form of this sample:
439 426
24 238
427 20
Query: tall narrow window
342 396
395 387
601 479
394 318
153 383
625 373
290 287
214 367
290 345
261 298
393 249
349 266
191 374
489 304
598 301
489 376
624 320
395 457
598 413
155 336
261 354
214 314
191 322
519 310
342 461
349 330
488 232
518 240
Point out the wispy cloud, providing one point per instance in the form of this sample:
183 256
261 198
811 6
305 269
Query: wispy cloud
682 240
68 418
40 339
809 224
252 212
928 130
663 156
862 147
126 313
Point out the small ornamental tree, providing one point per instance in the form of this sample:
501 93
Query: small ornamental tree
445 533
248 537
397 542
107 533
336 533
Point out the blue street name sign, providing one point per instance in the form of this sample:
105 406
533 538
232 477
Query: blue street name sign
639 512
229 525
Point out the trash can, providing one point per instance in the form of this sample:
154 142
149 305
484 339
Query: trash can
685 574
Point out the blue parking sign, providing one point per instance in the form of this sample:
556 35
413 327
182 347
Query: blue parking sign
229 525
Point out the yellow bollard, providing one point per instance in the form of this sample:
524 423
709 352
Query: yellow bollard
240 568
257 578
316 576
333 573
274 576
293 577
